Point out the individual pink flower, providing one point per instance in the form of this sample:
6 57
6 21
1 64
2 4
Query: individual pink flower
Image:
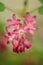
10 37
29 19
30 23
31 28
12 23
13 20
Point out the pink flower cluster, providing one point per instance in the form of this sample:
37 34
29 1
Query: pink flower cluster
16 32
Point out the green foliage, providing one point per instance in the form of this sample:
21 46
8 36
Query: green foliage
41 1
40 10
2 26
2 7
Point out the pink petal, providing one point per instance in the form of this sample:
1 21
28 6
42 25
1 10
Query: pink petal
14 50
14 17
6 35
15 45
7 42
15 31
26 28
27 13
22 48
9 21
18 48
9 27
19 37
13 36
25 36
16 21
9 33
27 43
34 17
31 32
34 28
29 19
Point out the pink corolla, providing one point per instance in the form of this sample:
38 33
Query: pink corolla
29 19
14 20
13 23
9 37
31 28
30 22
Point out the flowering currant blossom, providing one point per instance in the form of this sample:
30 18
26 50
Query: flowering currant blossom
30 22
18 35
29 19
13 23
9 37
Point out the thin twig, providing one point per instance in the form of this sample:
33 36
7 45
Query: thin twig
34 10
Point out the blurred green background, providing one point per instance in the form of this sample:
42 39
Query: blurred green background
34 55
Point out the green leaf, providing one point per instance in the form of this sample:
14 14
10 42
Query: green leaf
40 10
2 7
41 1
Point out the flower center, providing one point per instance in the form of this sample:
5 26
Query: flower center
30 26
21 32
10 39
